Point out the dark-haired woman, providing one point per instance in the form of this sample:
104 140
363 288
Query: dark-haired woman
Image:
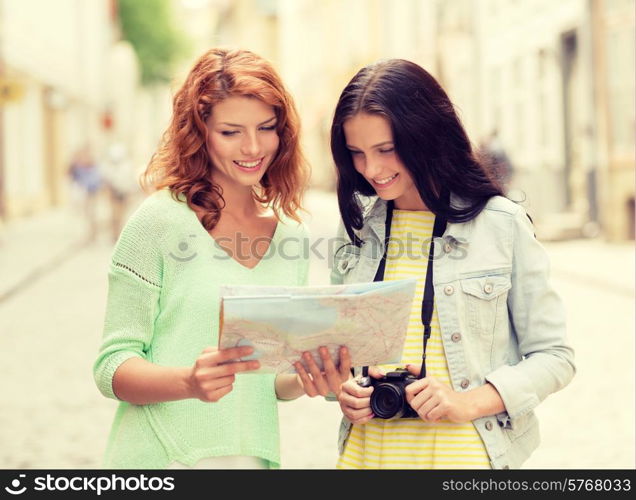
486 341
229 177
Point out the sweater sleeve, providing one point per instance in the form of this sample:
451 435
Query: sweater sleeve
134 286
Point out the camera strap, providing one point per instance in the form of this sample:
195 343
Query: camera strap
379 275
428 299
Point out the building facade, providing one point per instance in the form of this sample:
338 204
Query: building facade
77 85
56 58
556 80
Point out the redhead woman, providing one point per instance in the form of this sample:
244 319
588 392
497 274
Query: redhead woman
228 177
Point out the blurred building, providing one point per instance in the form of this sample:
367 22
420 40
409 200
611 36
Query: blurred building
321 49
613 73
556 80
53 52
317 46
68 81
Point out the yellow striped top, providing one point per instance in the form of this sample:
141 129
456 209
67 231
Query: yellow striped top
413 443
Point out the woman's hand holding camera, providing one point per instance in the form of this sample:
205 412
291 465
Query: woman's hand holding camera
212 375
434 400
355 400
316 382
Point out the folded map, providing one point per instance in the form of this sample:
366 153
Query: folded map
282 322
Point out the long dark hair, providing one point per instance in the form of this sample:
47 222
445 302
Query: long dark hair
428 137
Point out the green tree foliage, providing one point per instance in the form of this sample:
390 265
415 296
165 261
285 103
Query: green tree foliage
147 25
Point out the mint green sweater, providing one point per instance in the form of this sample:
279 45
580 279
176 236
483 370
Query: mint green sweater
163 306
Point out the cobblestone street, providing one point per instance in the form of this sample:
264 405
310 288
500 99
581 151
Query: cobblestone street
50 327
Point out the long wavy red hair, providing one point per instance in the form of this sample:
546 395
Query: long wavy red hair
182 163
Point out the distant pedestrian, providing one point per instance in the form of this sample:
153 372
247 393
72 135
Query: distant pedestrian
87 180
496 160
119 177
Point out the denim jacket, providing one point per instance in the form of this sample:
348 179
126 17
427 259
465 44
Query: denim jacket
500 319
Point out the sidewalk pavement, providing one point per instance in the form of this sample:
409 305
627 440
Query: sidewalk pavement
28 246
31 246
595 262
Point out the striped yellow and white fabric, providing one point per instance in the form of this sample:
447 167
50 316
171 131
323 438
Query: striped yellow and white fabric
413 443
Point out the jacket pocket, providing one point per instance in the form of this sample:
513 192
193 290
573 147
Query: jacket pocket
486 315
486 287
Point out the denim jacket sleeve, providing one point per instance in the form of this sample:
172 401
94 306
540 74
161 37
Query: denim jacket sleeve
537 319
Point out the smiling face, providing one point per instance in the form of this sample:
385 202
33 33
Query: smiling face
370 141
242 140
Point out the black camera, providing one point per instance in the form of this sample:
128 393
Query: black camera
388 399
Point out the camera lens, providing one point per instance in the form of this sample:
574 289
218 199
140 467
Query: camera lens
387 401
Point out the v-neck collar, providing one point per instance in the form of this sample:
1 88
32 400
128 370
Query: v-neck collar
226 256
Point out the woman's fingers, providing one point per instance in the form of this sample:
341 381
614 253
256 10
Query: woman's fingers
345 364
358 416
316 375
363 420
214 371
354 402
213 356
376 372
213 384
216 394
353 388
227 360
426 408
333 374
357 410
330 377
305 379
210 387
241 366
